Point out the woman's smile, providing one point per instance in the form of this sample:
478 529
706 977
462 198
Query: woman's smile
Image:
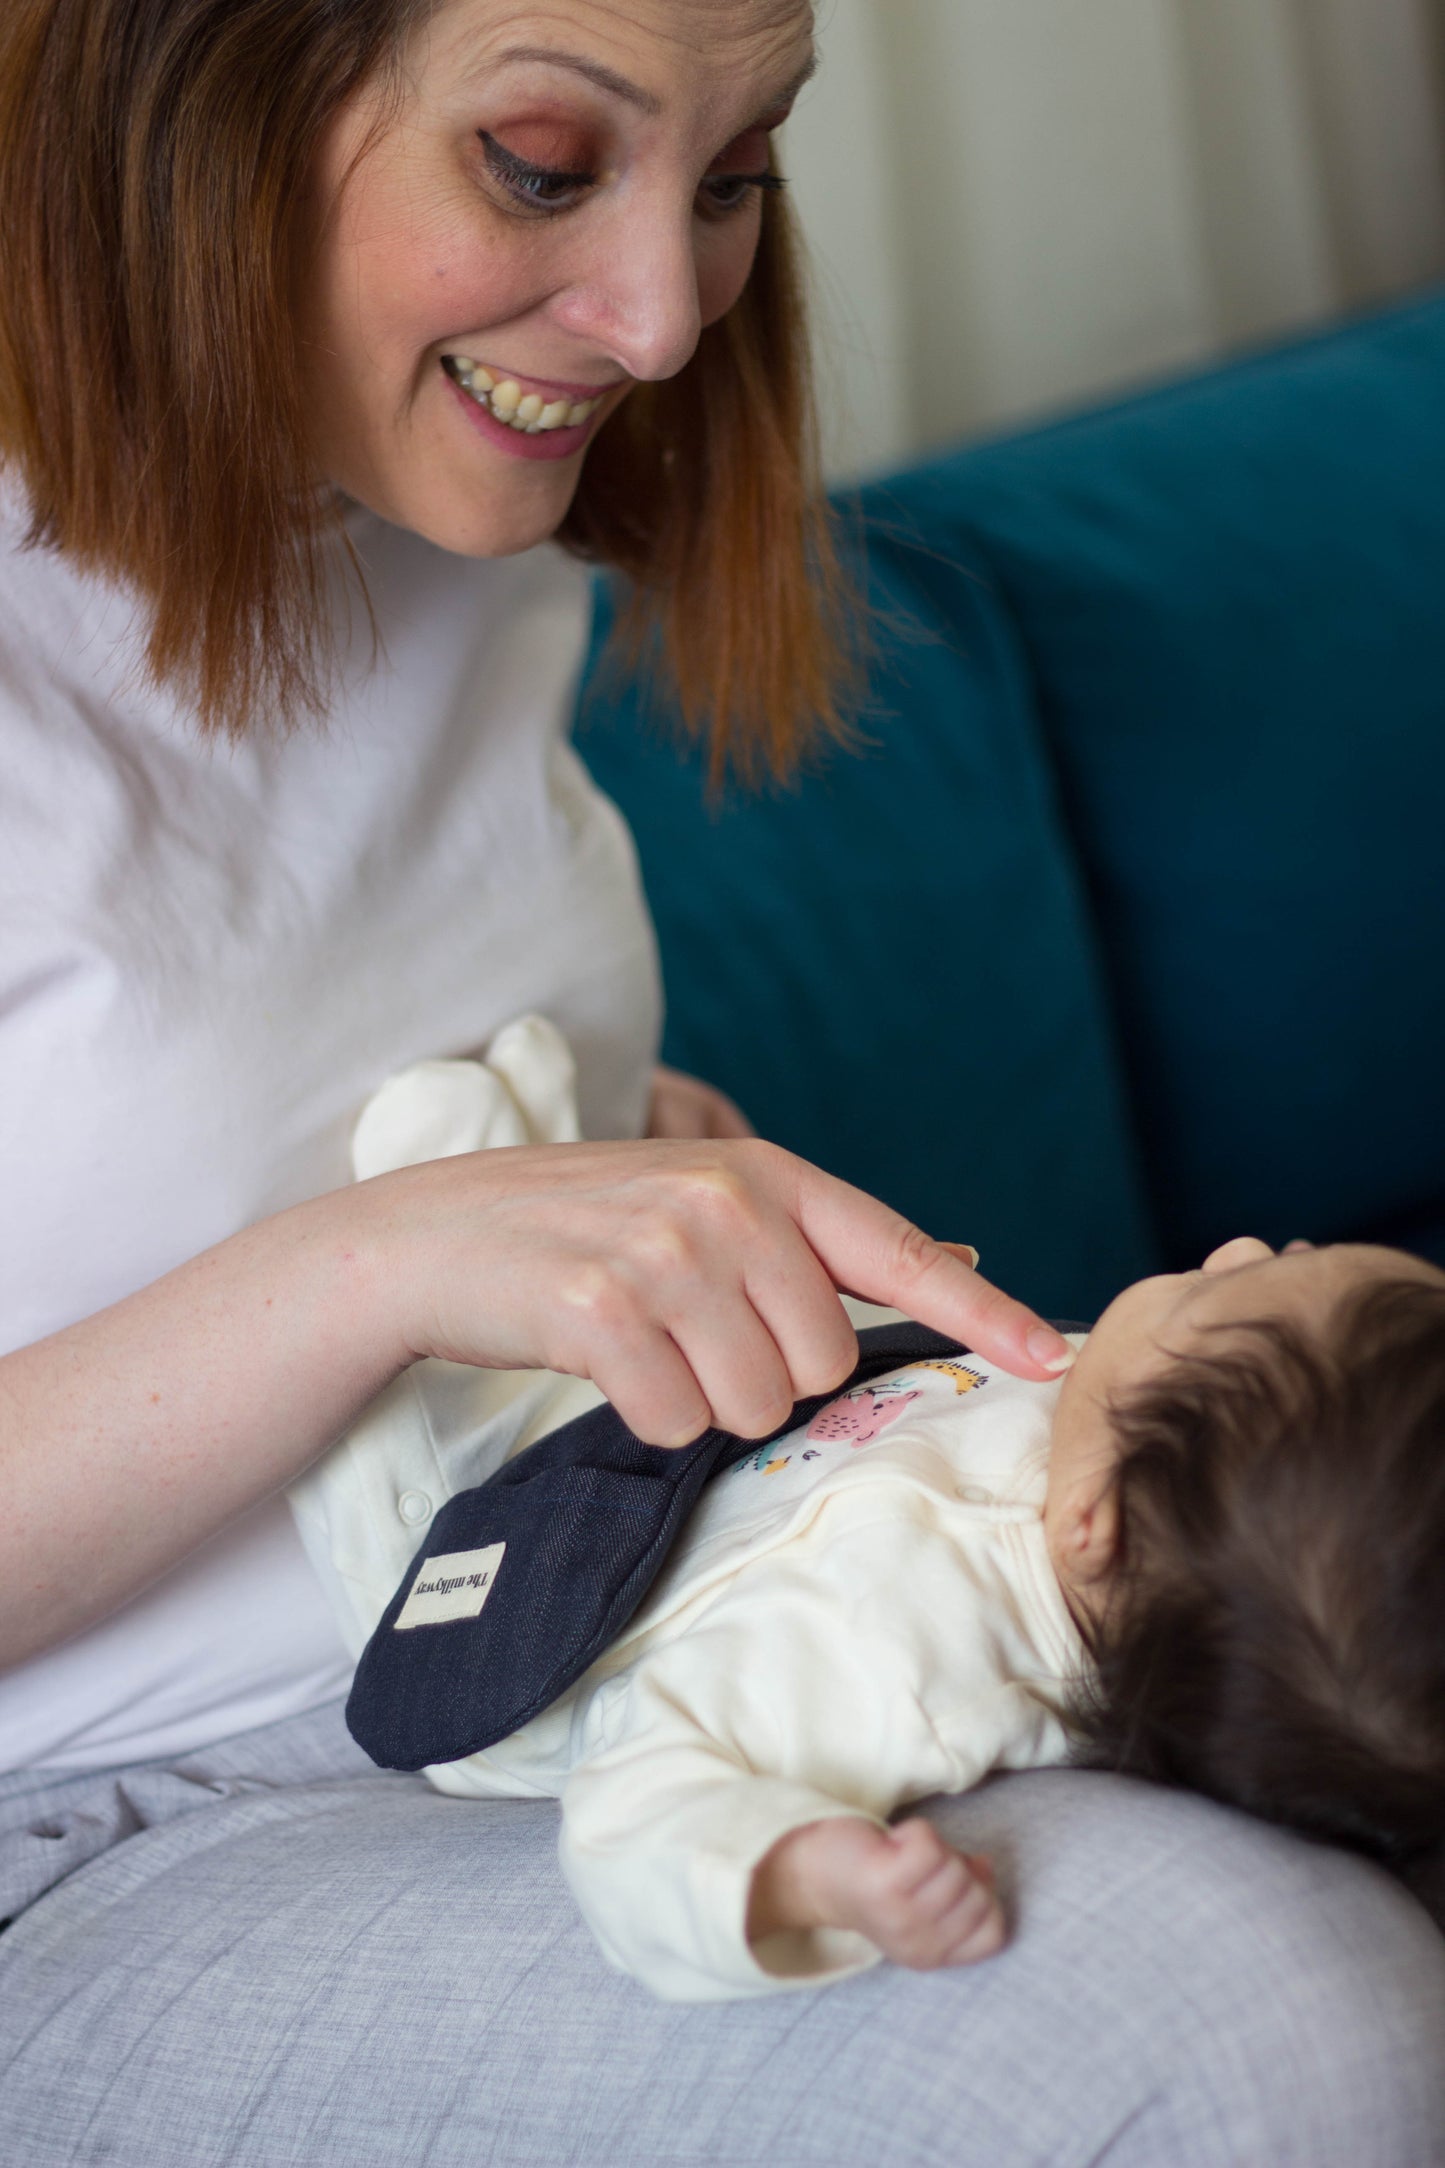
528 419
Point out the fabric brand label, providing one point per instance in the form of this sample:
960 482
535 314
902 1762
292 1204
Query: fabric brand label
454 1586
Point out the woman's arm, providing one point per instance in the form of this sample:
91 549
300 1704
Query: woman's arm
129 1438
694 1283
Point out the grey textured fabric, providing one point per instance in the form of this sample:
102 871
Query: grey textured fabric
273 1955
51 1824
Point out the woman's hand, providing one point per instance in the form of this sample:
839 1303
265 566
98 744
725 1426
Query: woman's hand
694 1283
683 1106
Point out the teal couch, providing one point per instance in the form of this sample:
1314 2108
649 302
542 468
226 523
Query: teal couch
1124 931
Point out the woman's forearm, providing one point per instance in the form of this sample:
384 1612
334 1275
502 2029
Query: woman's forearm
694 1283
128 1439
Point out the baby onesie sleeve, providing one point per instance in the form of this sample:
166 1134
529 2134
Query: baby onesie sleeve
793 1699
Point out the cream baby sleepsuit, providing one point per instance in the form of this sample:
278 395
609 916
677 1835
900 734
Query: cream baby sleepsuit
860 1615
850 1622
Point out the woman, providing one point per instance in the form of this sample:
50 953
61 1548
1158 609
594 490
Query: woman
317 316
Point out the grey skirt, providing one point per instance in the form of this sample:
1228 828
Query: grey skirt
271 1954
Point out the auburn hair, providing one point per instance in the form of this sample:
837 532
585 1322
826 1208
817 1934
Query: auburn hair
154 223
1274 1634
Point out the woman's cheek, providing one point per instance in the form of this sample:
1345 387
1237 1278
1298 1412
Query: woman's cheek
725 259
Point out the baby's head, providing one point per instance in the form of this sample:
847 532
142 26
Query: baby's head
1246 1512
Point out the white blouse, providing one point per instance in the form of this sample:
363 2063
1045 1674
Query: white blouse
210 956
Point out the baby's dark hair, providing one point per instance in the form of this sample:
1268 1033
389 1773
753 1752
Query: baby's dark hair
1274 1631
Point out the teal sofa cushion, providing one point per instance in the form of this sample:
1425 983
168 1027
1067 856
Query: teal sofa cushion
1232 599
891 966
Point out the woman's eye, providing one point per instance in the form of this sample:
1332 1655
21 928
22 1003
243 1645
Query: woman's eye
726 192
542 188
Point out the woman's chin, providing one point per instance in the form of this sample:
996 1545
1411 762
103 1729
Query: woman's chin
476 516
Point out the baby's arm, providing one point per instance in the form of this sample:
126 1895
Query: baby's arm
666 1821
793 1702
917 1899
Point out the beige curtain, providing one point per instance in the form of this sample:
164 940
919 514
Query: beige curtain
1015 205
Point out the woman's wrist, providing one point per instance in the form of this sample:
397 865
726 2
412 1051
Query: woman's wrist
352 1251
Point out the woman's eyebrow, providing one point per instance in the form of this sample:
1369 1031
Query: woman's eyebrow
593 70
620 86
799 82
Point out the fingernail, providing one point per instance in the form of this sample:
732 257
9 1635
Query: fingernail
973 1253
1051 1351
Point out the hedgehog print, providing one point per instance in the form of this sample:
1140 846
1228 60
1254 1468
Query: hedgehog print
862 1415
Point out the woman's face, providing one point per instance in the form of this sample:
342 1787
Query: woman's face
565 195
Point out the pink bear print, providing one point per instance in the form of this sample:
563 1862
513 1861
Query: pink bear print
861 1415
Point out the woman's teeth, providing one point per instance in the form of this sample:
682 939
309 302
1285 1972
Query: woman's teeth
505 400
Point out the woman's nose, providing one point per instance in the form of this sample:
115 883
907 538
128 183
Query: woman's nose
1243 1250
637 298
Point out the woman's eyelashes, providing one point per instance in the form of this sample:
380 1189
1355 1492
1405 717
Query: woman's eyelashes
745 166
548 189
539 188
727 192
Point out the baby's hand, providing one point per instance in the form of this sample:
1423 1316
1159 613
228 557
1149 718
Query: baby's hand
922 1903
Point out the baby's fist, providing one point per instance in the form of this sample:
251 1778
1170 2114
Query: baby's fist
925 1904
915 1898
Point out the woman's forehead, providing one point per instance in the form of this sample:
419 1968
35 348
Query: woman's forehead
646 42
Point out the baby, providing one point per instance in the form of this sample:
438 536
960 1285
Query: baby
1210 1555
1245 1513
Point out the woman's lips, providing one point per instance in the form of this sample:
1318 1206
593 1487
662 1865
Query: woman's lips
545 388
563 443
545 410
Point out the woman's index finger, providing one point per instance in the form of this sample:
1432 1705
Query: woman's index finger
873 1252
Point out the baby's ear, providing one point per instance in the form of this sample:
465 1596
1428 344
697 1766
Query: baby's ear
1091 1535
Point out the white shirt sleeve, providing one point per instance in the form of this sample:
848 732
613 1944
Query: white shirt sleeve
797 1697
